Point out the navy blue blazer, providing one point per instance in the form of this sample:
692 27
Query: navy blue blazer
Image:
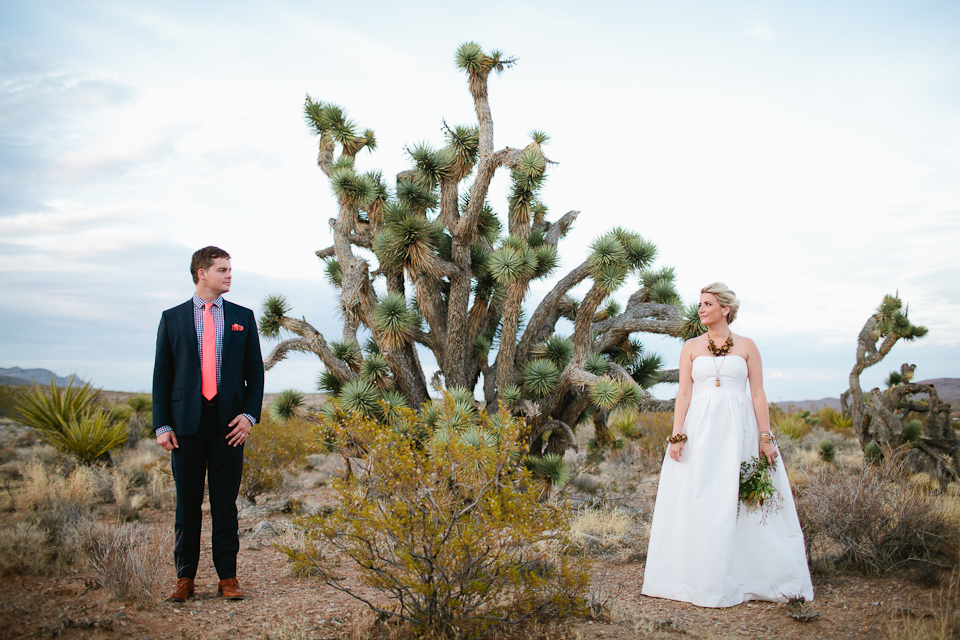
176 370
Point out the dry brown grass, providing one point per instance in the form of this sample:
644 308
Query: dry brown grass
943 623
43 487
24 548
130 562
615 532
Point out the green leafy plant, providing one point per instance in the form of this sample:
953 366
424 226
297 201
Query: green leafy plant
273 449
757 492
448 529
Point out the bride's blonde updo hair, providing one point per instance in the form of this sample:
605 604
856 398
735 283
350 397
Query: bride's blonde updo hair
725 296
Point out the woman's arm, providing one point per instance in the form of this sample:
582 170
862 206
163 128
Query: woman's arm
683 397
760 406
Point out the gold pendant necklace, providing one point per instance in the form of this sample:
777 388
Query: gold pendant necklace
717 369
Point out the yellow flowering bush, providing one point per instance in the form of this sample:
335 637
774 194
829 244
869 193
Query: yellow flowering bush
444 520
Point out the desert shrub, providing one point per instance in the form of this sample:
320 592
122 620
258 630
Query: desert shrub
130 562
655 427
873 520
24 548
448 528
136 411
612 532
45 489
792 426
9 399
872 453
160 489
56 542
827 450
71 420
272 449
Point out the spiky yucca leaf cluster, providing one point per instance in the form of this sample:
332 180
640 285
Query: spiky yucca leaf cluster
333 271
614 254
627 422
549 470
407 241
330 123
511 395
71 420
361 397
692 327
827 450
557 349
912 430
892 321
597 364
288 405
471 58
540 377
645 369
376 371
329 383
274 309
349 352
607 393
394 320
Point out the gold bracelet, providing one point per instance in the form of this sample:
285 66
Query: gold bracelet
680 437
766 436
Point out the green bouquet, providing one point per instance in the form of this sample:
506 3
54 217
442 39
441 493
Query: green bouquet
757 492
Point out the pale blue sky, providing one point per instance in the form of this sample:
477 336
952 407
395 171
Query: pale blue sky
808 154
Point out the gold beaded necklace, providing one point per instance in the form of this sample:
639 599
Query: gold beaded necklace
717 352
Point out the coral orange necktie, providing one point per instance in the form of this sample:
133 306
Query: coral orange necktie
208 366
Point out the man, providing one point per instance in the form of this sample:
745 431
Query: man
207 393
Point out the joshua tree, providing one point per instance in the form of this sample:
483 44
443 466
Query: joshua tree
436 234
880 417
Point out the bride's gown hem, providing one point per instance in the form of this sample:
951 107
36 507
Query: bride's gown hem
700 550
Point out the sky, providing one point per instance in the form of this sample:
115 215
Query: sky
807 154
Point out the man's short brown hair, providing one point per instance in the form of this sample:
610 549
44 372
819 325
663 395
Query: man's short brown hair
203 258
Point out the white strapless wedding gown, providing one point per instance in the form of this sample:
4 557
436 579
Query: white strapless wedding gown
700 550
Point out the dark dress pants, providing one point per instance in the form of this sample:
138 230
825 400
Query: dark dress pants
207 454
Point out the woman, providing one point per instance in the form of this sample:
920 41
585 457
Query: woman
704 549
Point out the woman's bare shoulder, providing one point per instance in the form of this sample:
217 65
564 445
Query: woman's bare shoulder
745 344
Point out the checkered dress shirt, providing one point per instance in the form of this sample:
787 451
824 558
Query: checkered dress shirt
216 310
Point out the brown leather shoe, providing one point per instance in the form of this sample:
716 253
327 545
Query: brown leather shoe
182 591
230 589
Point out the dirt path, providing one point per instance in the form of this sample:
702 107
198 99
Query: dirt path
279 605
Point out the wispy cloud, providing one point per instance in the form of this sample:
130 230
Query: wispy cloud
760 31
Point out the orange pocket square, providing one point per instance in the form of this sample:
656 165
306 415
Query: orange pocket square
237 327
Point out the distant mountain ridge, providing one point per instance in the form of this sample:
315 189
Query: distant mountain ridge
15 376
947 388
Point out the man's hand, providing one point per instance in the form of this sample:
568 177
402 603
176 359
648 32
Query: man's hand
168 441
241 428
